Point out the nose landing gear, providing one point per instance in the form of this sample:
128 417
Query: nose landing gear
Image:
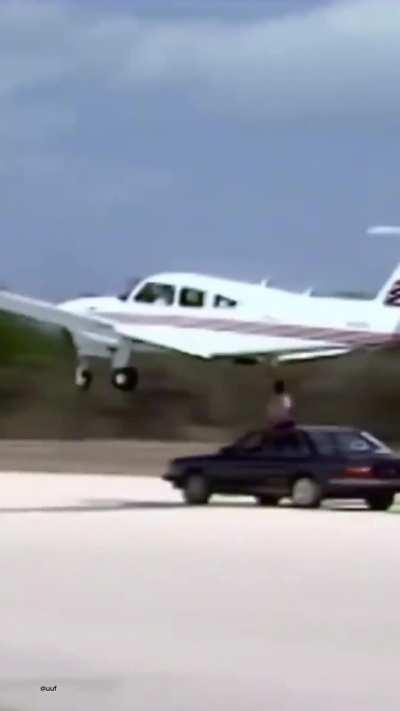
83 377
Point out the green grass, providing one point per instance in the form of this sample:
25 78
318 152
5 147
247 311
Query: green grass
181 397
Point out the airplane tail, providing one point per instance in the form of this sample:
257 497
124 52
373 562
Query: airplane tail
389 295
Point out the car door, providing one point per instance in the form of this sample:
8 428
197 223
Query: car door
236 467
279 460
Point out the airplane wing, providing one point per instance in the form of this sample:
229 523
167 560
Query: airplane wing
165 337
187 341
298 357
289 356
47 312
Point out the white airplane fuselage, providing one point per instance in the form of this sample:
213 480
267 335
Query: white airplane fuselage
207 317
271 319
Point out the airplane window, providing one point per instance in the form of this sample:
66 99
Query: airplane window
192 297
223 302
158 294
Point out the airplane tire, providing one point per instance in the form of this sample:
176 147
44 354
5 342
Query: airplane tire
125 379
83 378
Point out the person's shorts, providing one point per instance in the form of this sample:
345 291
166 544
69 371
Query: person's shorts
284 426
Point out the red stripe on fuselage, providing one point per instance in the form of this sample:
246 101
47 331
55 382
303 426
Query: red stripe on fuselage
257 328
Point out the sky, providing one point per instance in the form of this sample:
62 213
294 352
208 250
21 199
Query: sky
246 138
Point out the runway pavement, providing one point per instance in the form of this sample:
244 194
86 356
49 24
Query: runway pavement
123 599
126 456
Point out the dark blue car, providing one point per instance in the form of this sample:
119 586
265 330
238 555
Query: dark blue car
307 464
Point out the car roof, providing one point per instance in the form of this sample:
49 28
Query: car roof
326 428
311 429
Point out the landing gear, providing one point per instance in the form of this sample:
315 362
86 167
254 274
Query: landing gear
83 377
125 379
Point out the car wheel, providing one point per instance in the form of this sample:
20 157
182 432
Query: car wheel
196 490
380 502
267 500
306 493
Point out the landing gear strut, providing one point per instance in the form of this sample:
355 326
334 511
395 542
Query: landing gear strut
125 379
83 377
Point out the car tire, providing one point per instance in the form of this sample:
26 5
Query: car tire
196 491
306 493
267 500
380 502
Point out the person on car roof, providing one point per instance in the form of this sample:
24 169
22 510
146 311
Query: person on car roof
280 409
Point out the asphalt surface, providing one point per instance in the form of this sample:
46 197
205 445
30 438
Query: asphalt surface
130 457
122 598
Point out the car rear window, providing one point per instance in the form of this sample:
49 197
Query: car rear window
359 443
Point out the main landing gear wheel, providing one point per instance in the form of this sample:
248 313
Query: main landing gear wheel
125 379
83 378
306 493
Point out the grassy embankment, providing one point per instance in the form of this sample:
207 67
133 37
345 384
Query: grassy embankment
178 397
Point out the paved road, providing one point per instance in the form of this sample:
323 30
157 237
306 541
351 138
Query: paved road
132 457
125 600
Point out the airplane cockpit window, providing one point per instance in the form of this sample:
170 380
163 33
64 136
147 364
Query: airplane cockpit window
157 294
223 302
192 297
130 285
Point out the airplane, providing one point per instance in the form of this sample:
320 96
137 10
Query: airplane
215 318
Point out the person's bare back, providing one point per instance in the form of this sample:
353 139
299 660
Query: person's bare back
280 409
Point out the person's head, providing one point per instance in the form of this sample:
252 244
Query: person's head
279 387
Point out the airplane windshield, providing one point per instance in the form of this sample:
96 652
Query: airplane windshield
155 293
125 294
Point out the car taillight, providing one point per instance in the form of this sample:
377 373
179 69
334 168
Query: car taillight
359 471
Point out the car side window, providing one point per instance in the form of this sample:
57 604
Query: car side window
325 443
289 446
251 441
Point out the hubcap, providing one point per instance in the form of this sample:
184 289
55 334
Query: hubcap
81 378
303 492
121 379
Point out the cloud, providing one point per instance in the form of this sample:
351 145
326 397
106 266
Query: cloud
341 59
384 230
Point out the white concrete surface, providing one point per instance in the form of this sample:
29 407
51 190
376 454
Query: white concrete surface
128 601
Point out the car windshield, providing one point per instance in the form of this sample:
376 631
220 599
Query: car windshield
251 440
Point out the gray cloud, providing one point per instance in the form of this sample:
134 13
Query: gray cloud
337 59
124 150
